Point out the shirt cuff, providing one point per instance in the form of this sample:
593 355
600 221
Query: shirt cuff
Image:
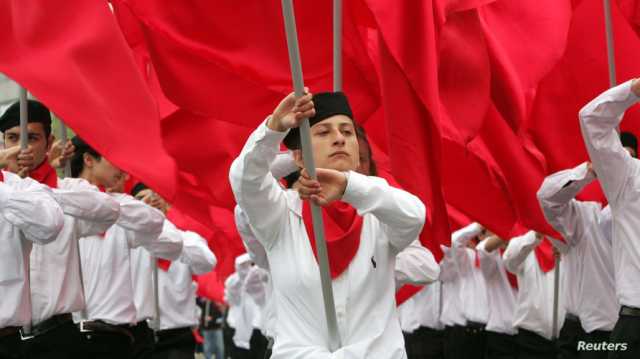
356 188
269 137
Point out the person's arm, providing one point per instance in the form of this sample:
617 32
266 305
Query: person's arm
256 285
462 256
142 222
93 210
197 254
448 270
416 265
488 256
233 290
283 165
598 122
30 207
557 200
168 245
255 249
518 250
401 213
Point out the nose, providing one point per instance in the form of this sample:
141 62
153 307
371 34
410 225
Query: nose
339 139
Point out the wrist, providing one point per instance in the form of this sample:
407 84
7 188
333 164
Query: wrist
275 124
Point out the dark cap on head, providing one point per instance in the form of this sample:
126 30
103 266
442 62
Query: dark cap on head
139 187
630 140
327 104
37 113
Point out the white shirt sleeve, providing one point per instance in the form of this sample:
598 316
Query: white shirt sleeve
142 222
255 249
598 122
93 210
283 165
488 260
416 265
233 290
562 211
448 268
255 189
462 255
168 245
196 253
30 207
518 250
401 213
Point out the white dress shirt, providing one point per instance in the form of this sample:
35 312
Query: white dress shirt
243 311
416 265
501 295
422 309
177 291
451 313
619 176
28 214
587 267
106 267
534 308
143 262
56 287
475 306
364 294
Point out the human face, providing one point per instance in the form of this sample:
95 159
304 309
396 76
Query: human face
365 159
334 144
102 173
38 141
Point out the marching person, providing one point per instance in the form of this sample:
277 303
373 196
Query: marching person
618 173
28 214
531 258
587 266
376 221
501 297
56 288
179 313
110 313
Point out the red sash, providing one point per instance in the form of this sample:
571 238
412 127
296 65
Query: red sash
544 255
45 174
343 227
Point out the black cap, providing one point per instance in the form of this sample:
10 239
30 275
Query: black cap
628 139
327 104
37 113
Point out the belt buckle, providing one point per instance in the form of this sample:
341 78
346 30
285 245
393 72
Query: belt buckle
82 329
25 336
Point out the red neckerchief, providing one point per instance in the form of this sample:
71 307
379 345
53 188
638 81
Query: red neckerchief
343 227
164 264
1 176
45 174
544 255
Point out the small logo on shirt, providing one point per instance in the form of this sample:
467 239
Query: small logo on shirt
373 262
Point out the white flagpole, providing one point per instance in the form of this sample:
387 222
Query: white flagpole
24 118
556 297
611 49
337 45
64 139
318 226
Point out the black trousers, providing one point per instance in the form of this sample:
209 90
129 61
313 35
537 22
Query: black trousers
534 346
97 345
501 346
175 344
425 343
626 331
258 345
144 341
464 342
63 342
596 337
570 334
11 347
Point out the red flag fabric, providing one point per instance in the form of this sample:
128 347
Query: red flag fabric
544 255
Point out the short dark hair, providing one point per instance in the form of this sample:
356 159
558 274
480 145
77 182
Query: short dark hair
630 140
37 113
77 160
361 134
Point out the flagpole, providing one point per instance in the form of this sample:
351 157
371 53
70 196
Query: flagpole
24 143
316 212
156 296
611 49
337 45
556 295
63 139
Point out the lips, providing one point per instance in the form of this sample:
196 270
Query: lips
339 153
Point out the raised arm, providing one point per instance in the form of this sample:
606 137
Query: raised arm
556 196
518 250
401 213
197 254
255 249
142 222
93 210
30 207
598 121
416 265
489 257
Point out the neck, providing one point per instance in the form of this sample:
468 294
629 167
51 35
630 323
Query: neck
88 176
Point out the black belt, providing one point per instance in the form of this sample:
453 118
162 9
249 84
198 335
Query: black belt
173 332
8 331
47 325
99 326
572 317
630 311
